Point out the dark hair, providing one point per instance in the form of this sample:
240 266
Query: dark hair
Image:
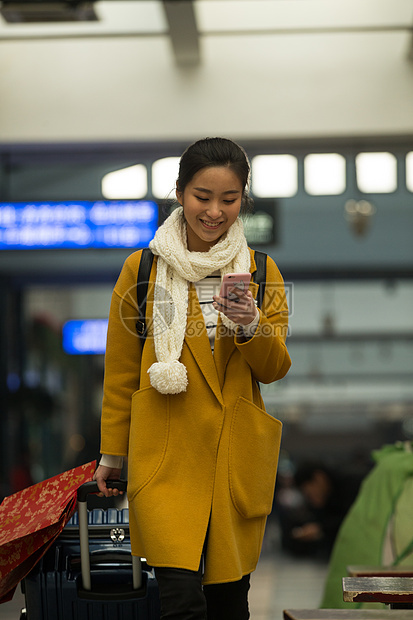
210 152
306 470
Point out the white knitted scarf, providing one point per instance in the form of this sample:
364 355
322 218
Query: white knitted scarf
176 268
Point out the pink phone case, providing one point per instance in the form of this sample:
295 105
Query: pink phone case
234 280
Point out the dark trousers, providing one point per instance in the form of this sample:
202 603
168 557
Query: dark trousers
183 597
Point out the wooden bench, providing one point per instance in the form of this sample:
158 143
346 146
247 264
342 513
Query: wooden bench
390 590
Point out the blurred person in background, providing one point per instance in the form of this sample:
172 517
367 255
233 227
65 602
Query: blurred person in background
328 494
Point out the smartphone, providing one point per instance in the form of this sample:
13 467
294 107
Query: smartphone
234 280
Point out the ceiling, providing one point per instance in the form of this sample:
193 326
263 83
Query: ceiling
188 23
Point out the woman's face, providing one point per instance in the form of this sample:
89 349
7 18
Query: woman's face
211 202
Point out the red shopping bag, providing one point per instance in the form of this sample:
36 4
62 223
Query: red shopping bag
32 519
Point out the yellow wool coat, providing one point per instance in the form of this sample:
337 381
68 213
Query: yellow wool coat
205 459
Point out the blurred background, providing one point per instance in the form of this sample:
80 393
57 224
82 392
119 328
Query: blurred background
97 102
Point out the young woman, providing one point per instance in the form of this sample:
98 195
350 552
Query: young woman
186 408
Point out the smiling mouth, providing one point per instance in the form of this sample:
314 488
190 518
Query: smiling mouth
211 225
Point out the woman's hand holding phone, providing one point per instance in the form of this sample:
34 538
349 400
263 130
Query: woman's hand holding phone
235 300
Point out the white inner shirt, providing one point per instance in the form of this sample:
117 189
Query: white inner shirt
206 289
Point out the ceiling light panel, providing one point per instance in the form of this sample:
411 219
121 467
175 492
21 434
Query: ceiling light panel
376 173
274 176
47 12
409 171
114 17
164 174
324 174
126 183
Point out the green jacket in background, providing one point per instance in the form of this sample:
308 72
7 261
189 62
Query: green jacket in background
385 500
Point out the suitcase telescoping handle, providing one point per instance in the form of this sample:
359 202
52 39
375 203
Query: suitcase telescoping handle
82 493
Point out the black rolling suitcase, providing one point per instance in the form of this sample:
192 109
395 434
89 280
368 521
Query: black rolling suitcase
89 573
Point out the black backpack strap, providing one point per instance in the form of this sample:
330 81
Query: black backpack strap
144 273
260 276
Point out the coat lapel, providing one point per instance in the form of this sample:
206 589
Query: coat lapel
225 343
197 340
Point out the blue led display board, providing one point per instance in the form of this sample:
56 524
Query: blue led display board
85 337
77 224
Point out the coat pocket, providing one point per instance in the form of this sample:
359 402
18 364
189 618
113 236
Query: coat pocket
253 459
148 438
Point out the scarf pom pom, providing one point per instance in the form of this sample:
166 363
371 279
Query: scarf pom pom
168 377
